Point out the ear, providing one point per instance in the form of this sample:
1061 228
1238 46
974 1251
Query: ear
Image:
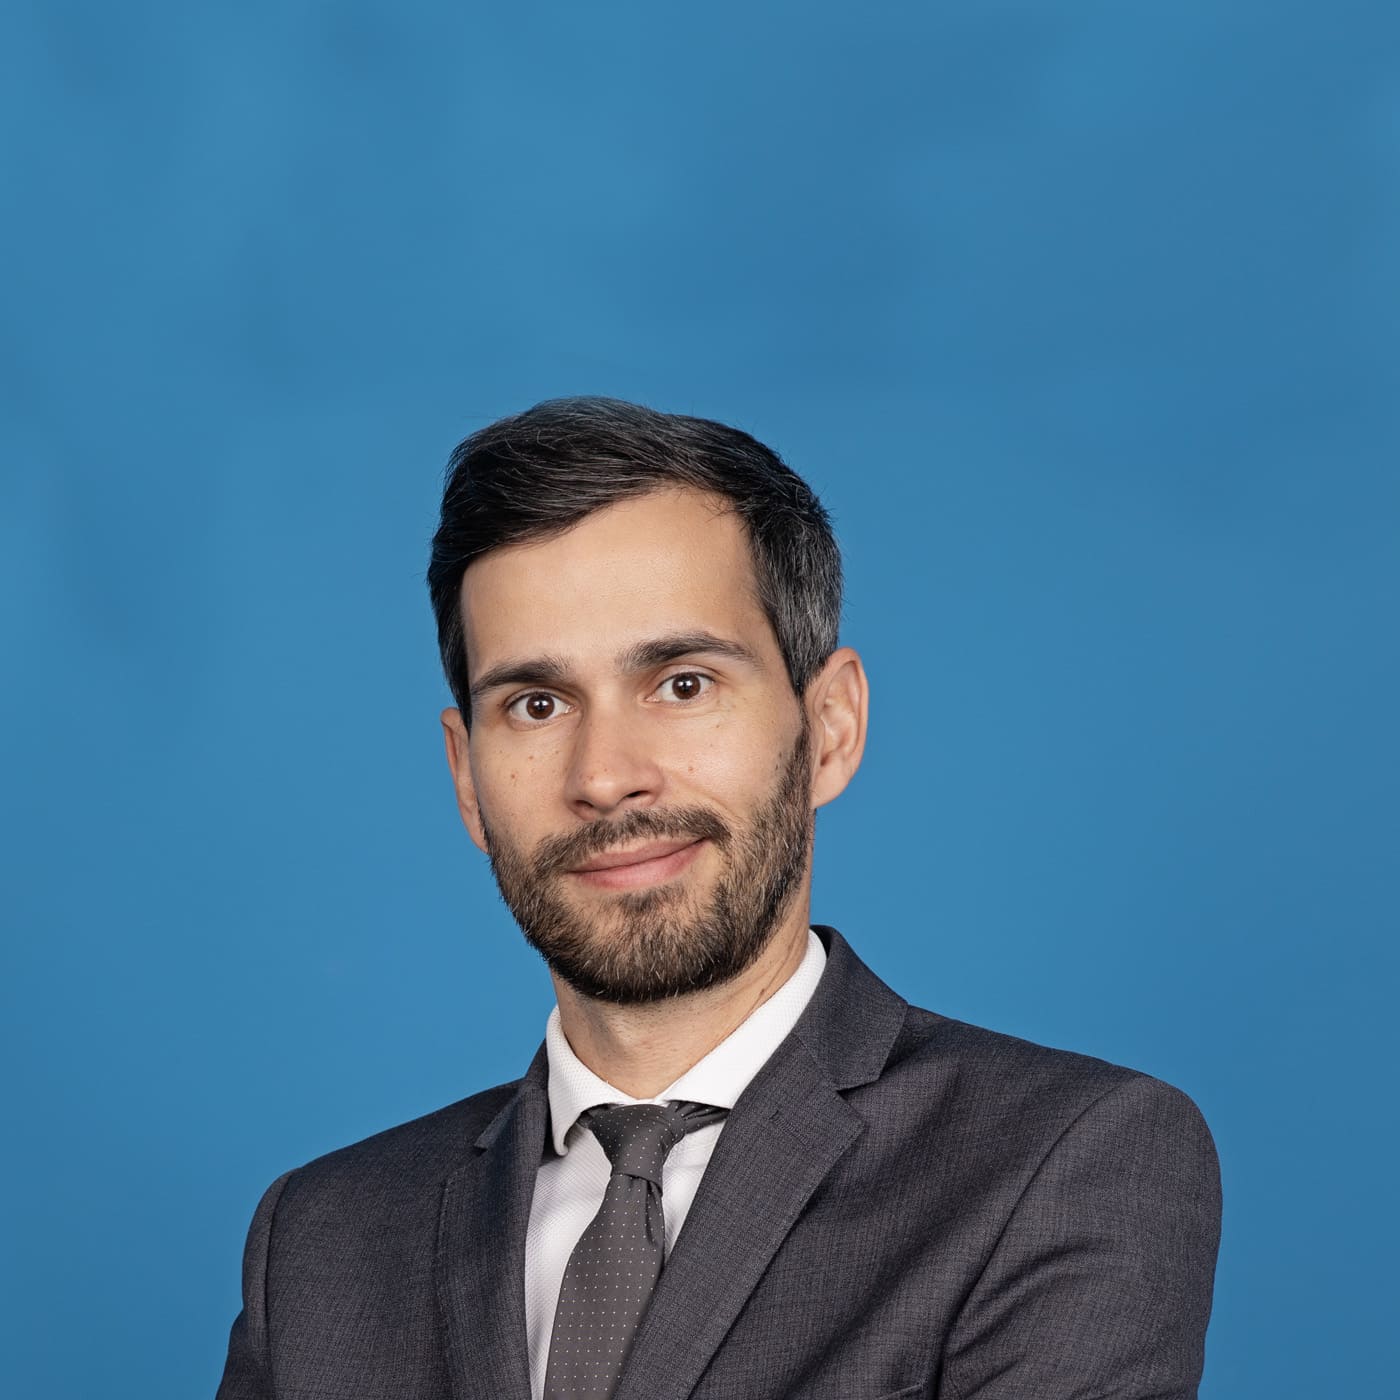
459 761
838 709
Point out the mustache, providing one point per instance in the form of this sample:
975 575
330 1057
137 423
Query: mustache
563 852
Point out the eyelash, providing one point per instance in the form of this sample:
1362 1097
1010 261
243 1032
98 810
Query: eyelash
707 680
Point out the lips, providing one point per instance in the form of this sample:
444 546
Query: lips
636 855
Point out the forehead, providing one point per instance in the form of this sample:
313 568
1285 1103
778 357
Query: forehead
669 561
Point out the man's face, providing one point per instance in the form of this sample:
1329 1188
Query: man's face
640 769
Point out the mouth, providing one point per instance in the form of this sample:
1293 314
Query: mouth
642 865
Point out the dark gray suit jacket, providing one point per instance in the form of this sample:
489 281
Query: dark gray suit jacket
900 1205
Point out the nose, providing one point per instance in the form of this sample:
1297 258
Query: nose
611 767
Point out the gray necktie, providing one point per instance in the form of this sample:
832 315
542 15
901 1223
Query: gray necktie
614 1267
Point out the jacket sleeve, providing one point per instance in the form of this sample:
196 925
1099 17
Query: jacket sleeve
1099 1287
248 1370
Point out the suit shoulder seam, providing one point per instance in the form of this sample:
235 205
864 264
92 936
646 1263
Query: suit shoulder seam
274 1201
1131 1077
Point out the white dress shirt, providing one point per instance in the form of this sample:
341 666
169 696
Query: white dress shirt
574 1174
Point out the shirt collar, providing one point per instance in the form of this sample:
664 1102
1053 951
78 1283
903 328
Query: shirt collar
717 1079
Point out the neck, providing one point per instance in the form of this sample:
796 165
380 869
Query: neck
642 1049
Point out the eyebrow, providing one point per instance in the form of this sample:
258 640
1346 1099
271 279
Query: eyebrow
640 656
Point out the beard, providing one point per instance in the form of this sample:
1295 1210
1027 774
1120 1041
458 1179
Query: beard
649 944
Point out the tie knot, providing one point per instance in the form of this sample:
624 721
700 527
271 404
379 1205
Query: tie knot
639 1137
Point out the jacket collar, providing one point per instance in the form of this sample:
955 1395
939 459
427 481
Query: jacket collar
785 1133
853 1019
718 1078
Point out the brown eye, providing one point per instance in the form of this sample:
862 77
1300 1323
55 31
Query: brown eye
537 706
686 686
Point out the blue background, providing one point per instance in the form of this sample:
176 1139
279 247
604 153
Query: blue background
1081 317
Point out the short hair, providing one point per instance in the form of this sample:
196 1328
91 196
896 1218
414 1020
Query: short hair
537 473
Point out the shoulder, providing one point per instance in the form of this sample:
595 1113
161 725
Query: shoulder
400 1161
998 1088
1086 1198
996 1064
1000 1064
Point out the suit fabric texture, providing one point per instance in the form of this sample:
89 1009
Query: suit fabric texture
900 1205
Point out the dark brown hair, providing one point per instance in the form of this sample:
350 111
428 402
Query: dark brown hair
539 472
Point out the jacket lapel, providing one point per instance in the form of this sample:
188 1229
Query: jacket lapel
785 1134
480 1264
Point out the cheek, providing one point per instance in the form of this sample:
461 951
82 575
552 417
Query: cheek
510 787
730 767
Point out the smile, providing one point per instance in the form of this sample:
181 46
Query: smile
646 865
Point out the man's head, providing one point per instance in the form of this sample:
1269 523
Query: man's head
637 614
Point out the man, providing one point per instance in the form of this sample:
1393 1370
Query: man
740 1167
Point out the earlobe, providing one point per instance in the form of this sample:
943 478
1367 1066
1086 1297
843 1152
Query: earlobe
458 745
840 711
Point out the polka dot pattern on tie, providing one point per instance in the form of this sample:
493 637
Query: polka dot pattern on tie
615 1265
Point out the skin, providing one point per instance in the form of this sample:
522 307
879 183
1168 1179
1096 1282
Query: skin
613 735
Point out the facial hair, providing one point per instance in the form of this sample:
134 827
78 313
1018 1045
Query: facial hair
650 944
